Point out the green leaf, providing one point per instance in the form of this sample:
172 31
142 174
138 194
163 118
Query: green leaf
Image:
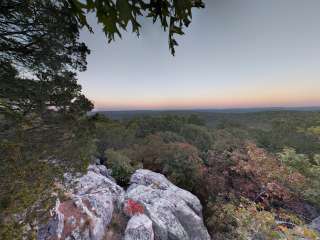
124 10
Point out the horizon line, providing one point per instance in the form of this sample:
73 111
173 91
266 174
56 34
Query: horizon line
204 109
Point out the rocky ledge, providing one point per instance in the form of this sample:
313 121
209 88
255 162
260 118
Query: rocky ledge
153 207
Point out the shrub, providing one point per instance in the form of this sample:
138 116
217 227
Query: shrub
120 166
261 177
246 220
182 165
180 162
253 173
309 168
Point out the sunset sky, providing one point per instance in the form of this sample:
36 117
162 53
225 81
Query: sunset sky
236 53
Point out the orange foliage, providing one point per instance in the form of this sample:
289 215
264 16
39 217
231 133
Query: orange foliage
262 178
253 173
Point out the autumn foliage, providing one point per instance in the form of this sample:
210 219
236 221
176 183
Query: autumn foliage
246 189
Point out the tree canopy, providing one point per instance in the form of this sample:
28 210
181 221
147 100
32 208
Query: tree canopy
173 15
40 53
39 43
40 36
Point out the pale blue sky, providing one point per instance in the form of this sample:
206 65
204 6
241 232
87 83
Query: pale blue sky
236 53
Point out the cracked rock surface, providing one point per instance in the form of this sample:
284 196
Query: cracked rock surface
174 212
158 209
88 211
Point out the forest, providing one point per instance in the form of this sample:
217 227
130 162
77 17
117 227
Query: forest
249 170
253 172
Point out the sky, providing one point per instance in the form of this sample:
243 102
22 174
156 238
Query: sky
235 54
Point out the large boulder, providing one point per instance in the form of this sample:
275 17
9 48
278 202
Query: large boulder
88 209
174 212
139 227
94 206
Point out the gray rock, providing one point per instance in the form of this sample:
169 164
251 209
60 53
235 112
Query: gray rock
101 169
87 212
54 227
158 209
139 227
315 224
97 161
174 212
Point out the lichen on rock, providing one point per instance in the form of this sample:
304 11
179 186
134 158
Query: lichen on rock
156 209
174 212
88 211
139 227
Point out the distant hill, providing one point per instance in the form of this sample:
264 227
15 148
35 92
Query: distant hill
127 114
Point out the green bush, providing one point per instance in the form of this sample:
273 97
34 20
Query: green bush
180 162
246 220
182 165
120 165
309 168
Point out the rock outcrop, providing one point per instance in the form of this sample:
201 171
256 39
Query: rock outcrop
88 210
155 208
139 227
174 212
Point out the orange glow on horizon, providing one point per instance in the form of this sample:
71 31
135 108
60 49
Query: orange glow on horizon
232 102
248 97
